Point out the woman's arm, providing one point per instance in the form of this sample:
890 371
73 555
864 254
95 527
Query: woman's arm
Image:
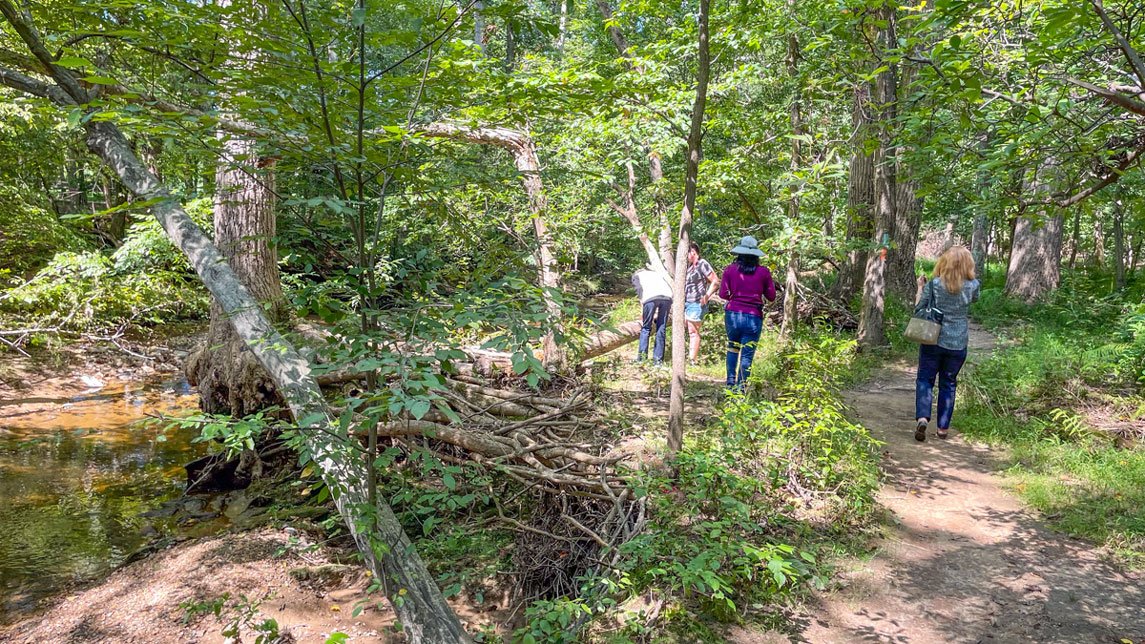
922 282
769 285
725 287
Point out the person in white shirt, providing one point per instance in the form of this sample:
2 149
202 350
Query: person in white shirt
655 293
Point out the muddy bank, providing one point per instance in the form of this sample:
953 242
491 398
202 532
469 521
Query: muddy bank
309 590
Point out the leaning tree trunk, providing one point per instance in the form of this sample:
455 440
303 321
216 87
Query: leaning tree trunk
790 291
691 173
860 197
229 378
871 332
386 550
524 152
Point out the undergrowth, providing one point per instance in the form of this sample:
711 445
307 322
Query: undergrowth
1064 394
759 496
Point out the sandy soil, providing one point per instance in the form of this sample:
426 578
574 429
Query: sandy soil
963 560
307 596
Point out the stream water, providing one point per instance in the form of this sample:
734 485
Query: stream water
76 473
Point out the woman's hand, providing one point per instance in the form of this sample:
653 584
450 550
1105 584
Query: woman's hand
922 281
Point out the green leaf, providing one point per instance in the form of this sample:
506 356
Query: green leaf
73 62
418 408
100 80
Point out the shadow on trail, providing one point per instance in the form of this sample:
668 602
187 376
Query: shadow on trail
963 560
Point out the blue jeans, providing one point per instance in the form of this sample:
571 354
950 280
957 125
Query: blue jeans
655 312
743 333
933 361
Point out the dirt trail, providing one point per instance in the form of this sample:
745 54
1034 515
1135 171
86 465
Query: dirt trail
963 560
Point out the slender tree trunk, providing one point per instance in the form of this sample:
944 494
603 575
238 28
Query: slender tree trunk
479 25
664 242
1075 238
908 209
948 233
563 26
1098 243
791 286
871 332
978 243
860 196
691 172
1119 240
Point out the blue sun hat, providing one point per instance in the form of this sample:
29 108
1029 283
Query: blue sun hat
748 246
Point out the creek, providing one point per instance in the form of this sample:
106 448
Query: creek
77 472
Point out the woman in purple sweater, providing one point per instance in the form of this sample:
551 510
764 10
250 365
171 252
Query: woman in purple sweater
744 285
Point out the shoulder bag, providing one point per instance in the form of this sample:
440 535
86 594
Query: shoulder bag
926 323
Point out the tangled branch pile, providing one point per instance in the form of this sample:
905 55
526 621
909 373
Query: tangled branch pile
570 504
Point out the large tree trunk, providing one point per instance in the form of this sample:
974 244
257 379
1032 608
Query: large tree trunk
860 197
229 378
901 278
871 332
524 152
691 173
1036 251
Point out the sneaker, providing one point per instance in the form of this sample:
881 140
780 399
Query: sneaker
942 433
920 432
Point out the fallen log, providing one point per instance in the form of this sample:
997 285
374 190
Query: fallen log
610 340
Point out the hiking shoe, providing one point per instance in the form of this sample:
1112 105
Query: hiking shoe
942 433
920 432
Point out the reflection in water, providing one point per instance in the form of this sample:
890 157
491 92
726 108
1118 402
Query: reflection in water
75 473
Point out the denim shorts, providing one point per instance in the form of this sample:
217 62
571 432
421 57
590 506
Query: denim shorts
693 311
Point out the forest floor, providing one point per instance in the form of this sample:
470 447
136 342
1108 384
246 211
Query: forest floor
961 559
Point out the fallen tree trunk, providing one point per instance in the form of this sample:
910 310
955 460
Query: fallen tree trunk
611 339
387 550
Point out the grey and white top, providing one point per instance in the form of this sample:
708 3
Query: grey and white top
955 309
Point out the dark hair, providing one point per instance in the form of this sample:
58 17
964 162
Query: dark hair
694 246
747 263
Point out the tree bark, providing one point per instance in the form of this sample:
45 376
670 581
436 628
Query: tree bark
1098 243
229 378
791 287
1075 238
860 196
871 332
978 244
901 277
691 173
1119 240
1035 252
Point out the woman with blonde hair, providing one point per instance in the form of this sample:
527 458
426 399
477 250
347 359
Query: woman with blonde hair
953 289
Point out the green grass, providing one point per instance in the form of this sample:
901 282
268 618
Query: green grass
1073 356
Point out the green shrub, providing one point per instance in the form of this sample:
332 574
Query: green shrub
29 237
